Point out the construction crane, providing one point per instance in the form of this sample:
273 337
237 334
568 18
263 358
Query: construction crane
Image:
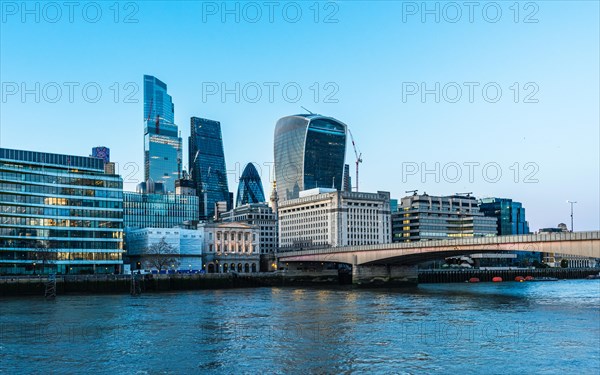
412 191
358 155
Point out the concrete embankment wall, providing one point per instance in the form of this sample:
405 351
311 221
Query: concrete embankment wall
459 276
20 286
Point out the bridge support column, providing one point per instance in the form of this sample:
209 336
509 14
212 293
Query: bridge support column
384 275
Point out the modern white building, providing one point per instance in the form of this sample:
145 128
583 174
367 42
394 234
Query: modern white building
231 247
328 217
187 243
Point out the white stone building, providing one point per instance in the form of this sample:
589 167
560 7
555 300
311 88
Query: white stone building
261 215
187 243
327 217
231 247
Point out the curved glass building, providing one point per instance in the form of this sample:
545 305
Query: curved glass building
309 153
250 189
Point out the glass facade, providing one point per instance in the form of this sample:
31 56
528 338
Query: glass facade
158 210
162 144
250 188
59 214
101 152
510 215
425 217
309 153
207 164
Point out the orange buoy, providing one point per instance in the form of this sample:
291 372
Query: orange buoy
497 279
519 278
528 278
473 280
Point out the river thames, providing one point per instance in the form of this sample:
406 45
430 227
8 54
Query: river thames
543 327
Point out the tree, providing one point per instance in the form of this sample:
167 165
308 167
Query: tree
564 263
161 255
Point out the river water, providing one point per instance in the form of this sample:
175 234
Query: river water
507 328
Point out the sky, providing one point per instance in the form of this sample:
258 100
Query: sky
491 98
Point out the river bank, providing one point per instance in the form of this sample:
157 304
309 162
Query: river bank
123 284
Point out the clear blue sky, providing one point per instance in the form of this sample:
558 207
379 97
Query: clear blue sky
369 55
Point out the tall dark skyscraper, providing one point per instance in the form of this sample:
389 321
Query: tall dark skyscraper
309 153
162 144
207 165
250 189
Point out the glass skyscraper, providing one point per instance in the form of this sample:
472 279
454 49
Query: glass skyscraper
309 153
250 189
162 144
207 165
510 215
59 214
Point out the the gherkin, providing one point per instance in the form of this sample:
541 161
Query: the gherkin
250 189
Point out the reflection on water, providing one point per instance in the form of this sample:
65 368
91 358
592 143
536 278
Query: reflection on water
438 328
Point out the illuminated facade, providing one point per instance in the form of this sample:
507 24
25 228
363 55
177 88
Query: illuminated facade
59 214
162 144
309 153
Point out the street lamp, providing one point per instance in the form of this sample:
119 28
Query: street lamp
571 203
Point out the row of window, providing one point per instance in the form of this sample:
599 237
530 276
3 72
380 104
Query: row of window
75 202
17 177
66 233
46 258
25 221
52 244
24 210
56 190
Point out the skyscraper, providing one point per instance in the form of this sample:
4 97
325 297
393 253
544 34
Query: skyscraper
250 189
162 144
207 165
309 153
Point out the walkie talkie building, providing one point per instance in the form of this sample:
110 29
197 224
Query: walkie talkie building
309 153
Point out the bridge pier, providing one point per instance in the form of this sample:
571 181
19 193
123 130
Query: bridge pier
384 275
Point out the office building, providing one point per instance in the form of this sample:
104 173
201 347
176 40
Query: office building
230 247
250 189
510 215
162 143
186 245
309 153
427 217
154 210
207 165
59 214
330 218
262 216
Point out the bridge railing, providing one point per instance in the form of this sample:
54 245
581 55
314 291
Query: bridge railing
520 238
